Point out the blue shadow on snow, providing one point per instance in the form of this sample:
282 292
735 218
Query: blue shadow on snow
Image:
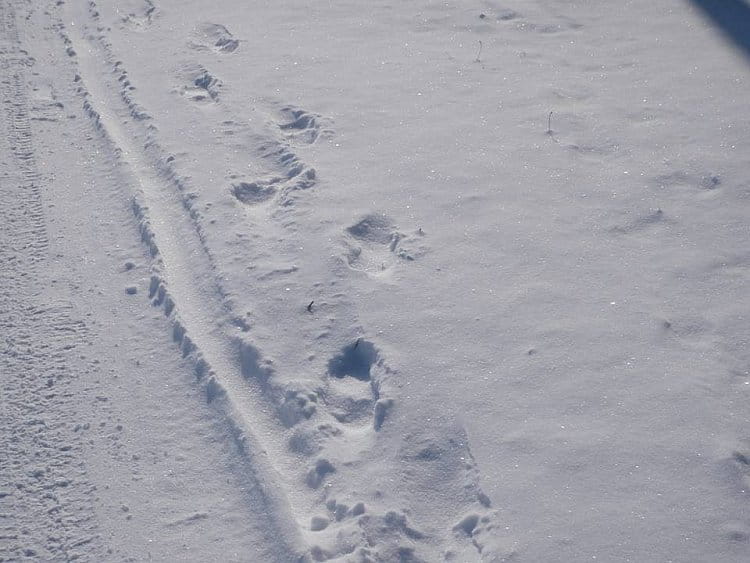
732 17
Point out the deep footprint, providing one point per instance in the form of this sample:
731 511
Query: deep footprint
355 360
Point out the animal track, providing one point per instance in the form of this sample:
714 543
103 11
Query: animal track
342 525
199 85
374 244
374 228
297 405
260 191
354 391
290 164
318 473
354 361
737 466
484 533
354 533
303 126
296 176
652 218
214 37
706 181
444 457
339 510
140 18
253 193
348 399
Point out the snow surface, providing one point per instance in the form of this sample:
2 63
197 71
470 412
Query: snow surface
374 281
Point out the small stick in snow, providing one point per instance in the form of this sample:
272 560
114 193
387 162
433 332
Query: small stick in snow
478 53
550 132
356 343
309 307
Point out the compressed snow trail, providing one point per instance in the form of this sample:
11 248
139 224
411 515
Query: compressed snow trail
187 273
39 338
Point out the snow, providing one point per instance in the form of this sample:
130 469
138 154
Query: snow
387 281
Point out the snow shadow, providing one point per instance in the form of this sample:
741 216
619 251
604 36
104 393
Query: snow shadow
732 17
355 360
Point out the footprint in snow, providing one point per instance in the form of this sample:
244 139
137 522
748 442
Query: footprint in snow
213 37
198 85
293 177
374 245
141 18
354 394
304 127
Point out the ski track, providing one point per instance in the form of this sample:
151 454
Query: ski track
238 384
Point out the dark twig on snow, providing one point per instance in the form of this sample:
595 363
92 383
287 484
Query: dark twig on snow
550 132
309 307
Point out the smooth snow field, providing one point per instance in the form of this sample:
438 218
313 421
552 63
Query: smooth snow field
375 281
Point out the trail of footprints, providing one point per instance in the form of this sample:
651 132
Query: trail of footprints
346 407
